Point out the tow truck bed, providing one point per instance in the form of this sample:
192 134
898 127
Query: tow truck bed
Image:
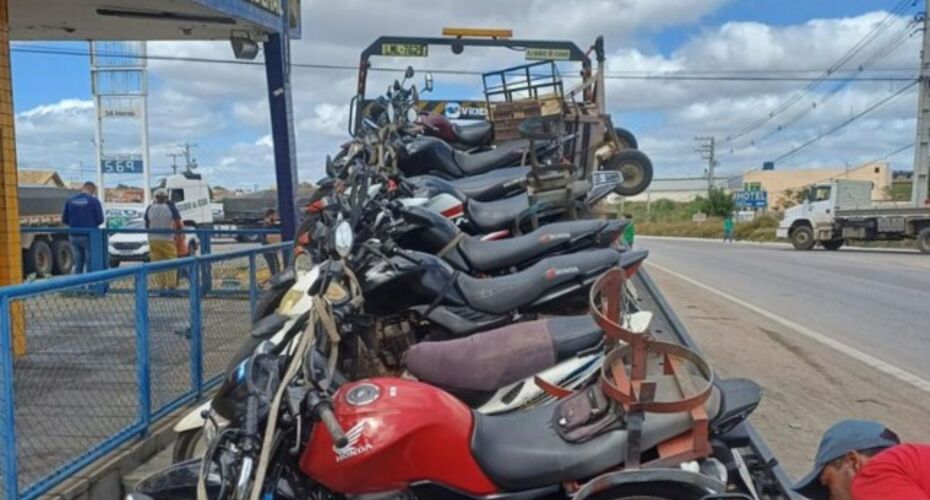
666 326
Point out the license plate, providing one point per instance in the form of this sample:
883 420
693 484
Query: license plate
404 49
606 177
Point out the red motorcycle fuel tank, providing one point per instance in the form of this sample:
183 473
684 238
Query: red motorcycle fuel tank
400 432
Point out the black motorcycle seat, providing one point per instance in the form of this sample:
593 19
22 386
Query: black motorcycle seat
490 360
478 133
522 450
505 293
493 185
485 161
490 216
494 255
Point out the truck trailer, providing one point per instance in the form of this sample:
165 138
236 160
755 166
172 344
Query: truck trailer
44 253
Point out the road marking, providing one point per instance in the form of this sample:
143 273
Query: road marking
882 366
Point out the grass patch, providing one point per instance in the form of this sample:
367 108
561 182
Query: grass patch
761 229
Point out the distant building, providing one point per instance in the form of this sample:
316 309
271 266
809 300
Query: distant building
677 189
39 178
778 183
125 194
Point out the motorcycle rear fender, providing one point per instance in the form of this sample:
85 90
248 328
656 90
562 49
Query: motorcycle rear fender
193 420
569 374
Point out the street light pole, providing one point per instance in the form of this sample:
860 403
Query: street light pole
922 144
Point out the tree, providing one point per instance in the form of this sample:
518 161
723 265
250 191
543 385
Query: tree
718 202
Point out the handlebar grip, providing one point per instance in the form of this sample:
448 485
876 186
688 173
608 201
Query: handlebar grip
251 415
326 415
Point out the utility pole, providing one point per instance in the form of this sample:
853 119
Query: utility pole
922 143
174 161
707 148
189 164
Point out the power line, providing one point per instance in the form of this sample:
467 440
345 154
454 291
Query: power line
896 40
848 121
826 76
731 75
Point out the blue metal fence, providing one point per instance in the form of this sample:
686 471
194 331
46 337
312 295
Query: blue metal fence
109 353
98 238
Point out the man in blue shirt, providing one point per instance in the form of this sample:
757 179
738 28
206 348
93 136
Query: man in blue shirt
82 211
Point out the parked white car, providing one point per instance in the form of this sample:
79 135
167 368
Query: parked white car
129 247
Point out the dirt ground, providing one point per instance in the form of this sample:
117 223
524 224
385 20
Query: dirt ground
807 386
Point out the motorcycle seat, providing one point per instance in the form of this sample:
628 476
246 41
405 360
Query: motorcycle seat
490 216
493 185
474 134
494 255
487 361
522 450
505 293
485 161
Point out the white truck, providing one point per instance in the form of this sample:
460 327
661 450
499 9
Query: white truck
190 194
843 210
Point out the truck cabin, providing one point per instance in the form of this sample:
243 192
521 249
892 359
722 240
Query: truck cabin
819 192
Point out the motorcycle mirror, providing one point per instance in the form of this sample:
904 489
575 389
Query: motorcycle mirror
428 82
409 73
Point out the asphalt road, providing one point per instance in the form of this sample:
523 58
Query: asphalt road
873 301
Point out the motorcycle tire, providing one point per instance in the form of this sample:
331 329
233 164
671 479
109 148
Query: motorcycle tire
627 138
190 444
636 169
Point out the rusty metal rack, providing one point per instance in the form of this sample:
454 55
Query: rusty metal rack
647 375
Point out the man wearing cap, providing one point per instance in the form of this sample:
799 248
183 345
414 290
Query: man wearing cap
163 216
864 460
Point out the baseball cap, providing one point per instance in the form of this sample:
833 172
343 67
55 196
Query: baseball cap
841 438
161 192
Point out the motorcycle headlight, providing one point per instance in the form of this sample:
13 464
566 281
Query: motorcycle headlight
303 263
412 115
343 239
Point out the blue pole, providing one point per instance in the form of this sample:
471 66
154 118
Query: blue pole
196 332
277 74
98 243
8 417
206 283
143 367
253 285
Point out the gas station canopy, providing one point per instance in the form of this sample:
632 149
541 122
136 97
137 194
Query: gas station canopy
151 19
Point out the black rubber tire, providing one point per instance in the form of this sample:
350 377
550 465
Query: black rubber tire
832 244
627 138
113 263
186 445
803 238
39 258
923 240
636 168
62 257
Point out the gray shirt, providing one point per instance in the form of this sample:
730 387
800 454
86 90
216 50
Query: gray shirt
161 216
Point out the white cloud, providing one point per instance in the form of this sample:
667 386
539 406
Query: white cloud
202 102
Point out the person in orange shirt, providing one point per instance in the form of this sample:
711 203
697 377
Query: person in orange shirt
864 460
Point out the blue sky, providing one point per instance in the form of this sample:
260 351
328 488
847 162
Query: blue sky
226 114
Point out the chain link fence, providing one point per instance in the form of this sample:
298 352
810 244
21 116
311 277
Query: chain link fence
89 362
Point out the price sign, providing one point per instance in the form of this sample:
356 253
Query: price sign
128 165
